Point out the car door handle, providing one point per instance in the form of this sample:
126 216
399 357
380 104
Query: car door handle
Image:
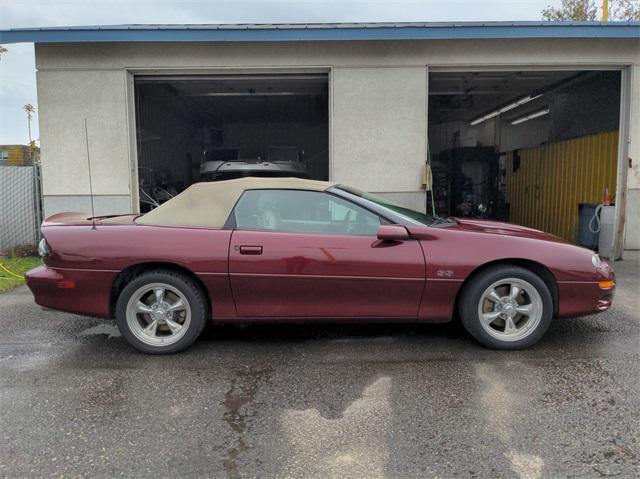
250 249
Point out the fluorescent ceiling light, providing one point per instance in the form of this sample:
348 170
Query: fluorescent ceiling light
531 116
505 109
449 77
250 94
494 78
531 77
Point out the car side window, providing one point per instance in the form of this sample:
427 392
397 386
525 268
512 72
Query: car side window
299 211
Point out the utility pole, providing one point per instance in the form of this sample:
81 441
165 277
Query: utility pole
605 10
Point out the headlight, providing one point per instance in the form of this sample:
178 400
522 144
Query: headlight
596 260
43 248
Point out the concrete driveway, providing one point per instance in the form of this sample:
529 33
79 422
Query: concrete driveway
320 400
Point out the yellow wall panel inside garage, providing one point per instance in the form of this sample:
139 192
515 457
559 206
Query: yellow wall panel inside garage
553 179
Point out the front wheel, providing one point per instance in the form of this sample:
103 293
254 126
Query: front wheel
507 307
161 312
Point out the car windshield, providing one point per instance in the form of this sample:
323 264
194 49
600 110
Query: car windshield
409 216
283 154
222 154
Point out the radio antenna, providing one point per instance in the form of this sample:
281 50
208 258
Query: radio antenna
93 214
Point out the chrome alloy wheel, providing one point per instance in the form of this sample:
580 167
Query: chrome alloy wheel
510 309
158 314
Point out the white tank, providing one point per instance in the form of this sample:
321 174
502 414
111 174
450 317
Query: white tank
605 239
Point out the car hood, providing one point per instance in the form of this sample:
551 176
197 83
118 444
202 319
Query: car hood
501 228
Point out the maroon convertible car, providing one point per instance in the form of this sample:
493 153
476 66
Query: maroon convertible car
260 249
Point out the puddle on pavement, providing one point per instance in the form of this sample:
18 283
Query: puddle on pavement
241 393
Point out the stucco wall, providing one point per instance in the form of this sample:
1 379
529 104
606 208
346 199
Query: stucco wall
632 230
379 124
65 99
378 100
462 53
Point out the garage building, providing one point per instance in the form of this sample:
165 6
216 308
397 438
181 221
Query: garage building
522 122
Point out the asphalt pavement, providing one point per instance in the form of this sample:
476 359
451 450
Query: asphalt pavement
320 400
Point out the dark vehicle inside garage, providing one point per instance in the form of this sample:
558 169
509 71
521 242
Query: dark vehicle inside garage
535 148
216 127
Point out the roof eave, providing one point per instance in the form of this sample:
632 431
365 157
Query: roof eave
341 32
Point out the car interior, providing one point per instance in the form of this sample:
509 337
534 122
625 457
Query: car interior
297 211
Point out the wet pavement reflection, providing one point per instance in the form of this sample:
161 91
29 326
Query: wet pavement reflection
320 400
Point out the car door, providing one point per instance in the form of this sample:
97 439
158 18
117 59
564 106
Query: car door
298 253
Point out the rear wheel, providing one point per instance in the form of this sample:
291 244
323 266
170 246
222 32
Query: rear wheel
506 307
161 312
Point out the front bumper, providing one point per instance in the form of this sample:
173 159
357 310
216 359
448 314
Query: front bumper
85 292
585 298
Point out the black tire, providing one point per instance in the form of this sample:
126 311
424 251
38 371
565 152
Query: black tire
194 295
472 294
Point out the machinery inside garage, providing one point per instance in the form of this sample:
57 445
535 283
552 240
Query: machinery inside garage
536 148
206 128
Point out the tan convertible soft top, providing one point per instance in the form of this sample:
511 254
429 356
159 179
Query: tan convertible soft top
209 204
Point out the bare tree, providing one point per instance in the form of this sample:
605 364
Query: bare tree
580 10
625 10
588 10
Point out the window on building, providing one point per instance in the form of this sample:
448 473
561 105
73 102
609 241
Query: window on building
4 157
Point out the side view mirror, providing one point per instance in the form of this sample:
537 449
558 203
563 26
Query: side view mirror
393 233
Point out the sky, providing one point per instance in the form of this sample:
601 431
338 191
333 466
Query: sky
17 66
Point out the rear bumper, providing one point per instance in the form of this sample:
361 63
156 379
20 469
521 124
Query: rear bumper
85 292
583 298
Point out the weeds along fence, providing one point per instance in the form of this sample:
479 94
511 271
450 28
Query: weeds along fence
20 207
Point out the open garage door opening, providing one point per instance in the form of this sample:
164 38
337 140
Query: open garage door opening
209 128
535 148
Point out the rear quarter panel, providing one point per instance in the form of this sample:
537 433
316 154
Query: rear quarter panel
99 254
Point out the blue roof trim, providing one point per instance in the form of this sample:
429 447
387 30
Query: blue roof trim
321 32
